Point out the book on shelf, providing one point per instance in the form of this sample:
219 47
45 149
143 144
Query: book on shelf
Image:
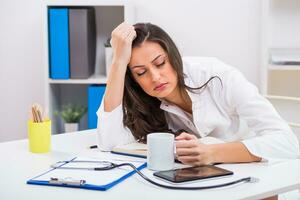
82 33
59 43
140 149
95 95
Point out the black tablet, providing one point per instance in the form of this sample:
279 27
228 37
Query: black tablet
192 173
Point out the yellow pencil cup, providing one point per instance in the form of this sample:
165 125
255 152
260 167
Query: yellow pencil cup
39 135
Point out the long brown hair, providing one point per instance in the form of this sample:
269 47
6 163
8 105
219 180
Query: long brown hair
142 113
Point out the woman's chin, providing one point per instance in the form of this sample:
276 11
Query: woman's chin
162 94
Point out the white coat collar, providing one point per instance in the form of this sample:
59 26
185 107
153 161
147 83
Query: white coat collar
198 107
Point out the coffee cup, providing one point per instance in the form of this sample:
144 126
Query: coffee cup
160 151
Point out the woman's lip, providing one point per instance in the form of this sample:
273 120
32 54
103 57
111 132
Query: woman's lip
160 86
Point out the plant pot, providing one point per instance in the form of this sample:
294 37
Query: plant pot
71 127
108 58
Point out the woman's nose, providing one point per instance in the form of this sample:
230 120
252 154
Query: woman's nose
155 74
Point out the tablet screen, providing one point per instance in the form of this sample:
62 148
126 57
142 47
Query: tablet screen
192 173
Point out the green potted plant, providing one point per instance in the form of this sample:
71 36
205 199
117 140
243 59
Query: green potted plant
108 55
71 115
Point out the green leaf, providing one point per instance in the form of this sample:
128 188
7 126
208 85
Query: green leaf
107 43
71 113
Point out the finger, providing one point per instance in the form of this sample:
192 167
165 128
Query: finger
186 143
117 29
120 26
134 35
117 34
186 152
185 136
182 136
189 159
127 31
196 163
131 35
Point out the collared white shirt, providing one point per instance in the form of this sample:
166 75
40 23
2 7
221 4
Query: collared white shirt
230 109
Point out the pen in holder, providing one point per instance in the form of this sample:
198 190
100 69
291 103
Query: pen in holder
39 130
39 135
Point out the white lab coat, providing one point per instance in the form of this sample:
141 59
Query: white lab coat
231 110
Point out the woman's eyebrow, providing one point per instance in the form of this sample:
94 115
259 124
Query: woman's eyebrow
136 66
144 65
156 58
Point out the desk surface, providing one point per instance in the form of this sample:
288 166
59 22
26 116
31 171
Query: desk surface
18 165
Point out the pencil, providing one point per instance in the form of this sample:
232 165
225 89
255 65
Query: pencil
33 115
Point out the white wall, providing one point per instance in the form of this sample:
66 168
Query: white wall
21 73
229 30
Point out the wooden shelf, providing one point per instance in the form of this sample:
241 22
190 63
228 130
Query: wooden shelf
280 47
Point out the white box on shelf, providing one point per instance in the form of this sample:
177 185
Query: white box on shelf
284 56
108 59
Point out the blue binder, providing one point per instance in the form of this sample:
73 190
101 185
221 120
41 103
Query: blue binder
95 95
38 180
59 43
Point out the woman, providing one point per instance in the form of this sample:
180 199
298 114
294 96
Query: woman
150 88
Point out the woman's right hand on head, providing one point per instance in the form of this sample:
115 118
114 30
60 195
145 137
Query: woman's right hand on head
121 42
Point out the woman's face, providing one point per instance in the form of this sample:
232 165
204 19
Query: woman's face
152 70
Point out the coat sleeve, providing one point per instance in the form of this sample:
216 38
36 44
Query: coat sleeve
274 139
110 129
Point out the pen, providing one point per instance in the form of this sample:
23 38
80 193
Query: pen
93 147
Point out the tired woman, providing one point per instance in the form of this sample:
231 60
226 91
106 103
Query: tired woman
151 88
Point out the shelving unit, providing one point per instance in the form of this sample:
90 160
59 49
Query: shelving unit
108 14
281 31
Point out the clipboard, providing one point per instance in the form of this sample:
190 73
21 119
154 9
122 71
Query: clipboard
86 179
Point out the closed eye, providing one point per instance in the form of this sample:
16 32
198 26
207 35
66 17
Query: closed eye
141 73
161 64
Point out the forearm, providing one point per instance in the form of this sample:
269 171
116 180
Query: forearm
114 87
121 41
233 152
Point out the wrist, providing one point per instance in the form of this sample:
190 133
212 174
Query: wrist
214 153
119 62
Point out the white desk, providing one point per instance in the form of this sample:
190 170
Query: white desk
18 165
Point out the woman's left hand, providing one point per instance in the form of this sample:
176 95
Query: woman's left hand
191 151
